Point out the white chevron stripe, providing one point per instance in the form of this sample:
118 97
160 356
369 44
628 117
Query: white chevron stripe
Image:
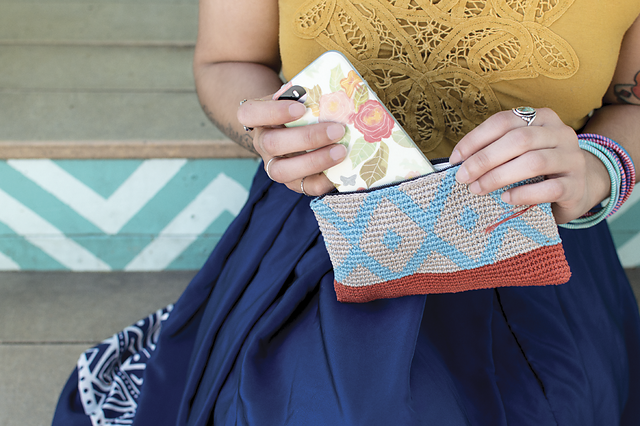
47 237
223 193
7 264
109 215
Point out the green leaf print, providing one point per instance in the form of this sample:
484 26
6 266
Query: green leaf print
313 100
376 168
402 139
360 151
346 139
313 69
337 75
360 96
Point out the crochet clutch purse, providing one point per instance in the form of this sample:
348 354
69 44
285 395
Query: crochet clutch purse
431 235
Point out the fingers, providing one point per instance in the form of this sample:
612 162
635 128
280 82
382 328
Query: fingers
508 161
494 128
264 113
284 141
293 168
504 150
528 165
536 193
272 139
312 186
293 154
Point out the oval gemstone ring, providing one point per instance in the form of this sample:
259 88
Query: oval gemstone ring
528 114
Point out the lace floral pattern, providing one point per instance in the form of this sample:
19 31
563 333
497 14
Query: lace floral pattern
432 62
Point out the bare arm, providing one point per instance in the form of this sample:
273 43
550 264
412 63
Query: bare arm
237 58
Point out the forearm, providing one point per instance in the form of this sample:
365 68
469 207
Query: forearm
221 87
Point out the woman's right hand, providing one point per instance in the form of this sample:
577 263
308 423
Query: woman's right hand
288 146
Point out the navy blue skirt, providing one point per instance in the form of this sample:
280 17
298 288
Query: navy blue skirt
258 338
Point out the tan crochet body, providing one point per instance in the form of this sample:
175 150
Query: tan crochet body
443 67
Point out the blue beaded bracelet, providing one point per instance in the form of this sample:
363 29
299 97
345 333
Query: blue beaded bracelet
611 162
624 162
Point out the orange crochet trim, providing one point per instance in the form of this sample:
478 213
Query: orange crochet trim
528 269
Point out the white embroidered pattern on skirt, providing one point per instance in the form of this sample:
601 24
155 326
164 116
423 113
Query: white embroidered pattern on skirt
110 374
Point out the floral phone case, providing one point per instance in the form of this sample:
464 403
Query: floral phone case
379 151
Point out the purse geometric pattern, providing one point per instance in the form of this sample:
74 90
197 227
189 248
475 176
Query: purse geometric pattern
431 235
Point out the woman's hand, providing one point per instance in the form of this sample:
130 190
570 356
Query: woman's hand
288 146
503 150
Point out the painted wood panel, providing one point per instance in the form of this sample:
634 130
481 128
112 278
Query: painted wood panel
103 215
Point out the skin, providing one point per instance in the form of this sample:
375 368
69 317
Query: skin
500 151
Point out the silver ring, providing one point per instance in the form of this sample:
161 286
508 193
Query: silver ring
528 114
267 168
246 129
302 186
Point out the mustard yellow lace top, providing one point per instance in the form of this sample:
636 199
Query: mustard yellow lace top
442 67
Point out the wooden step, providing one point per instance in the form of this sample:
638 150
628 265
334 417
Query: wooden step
103 116
96 68
116 23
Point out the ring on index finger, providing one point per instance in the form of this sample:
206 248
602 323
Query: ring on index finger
528 114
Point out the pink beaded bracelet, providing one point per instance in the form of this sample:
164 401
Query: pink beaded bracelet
623 161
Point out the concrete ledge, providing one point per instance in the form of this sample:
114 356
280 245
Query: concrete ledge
123 149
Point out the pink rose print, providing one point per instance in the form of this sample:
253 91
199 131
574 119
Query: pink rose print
373 121
336 107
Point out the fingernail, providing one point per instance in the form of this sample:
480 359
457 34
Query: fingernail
297 110
455 157
474 188
506 197
335 132
338 152
462 176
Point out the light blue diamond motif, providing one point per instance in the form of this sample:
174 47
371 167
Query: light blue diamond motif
468 219
391 240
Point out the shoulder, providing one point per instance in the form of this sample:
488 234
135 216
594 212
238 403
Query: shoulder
238 31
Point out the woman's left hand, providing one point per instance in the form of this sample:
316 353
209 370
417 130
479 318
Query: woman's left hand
503 150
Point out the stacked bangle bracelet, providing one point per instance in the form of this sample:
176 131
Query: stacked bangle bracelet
621 172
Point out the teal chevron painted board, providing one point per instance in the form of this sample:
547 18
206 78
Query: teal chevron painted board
102 215
158 214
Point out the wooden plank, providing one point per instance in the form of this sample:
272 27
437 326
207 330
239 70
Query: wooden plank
46 116
191 2
43 68
123 149
97 22
68 299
